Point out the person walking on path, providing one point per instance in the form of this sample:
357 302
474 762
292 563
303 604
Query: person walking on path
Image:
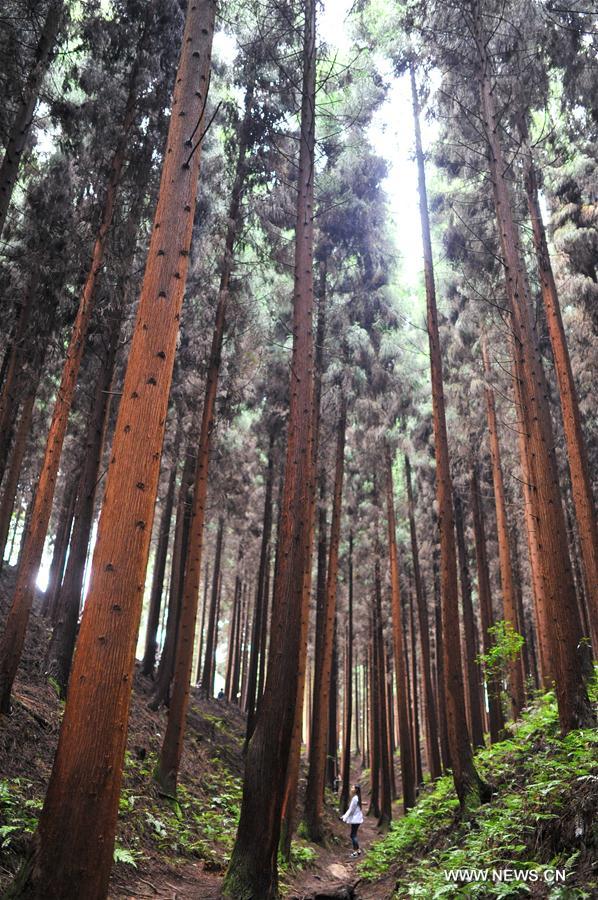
354 818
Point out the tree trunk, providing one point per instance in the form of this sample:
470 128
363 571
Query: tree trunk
495 714
19 131
61 545
432 752
419 775
148 662
260 596
348 710
572 668
516 680
320 719
161 695
467 781
445 752
172 748
581 486
9 492
385 815
332 751
11 643
69 595
472 669
207 677
10 398
374 729
405 735
74 845
253 867
289 805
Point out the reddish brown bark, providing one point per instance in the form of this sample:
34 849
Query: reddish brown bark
581 485
516 681
73 848
148 662
467 782
68 594
11 643
495 714
253 867
565 634
348 689
431 719
260 597
379 700
21 125
472 669
314 798
405 735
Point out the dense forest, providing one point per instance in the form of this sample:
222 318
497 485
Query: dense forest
298 450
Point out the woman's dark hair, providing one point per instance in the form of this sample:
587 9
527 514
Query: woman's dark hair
358 792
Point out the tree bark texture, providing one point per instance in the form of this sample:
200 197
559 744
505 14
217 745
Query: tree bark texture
74 843
467 782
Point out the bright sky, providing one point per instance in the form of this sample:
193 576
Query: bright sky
391 135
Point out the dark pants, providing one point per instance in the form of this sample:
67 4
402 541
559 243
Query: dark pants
354 841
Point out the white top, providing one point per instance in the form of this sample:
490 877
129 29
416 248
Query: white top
354 815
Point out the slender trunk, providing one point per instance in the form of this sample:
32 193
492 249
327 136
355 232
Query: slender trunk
260 597
289 805
467 781
11 643
445 752
11 395
385 816
234 637
21 125
348 710
9 492
69 595
474 676
172 748
204 605
207 677
432 751
61 546
323 662
516 676
495 714
374 729
571 662
405 734
419 775
161 693
148 662
74 844
332 751
581 485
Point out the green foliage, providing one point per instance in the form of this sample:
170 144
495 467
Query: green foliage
301 857
18 811
532 823
507 643
124 855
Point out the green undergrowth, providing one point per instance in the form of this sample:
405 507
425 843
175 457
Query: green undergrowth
540 819
201 825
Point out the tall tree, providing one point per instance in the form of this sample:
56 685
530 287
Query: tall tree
253 868
467 781
73 846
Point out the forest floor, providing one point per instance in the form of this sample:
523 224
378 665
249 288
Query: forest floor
163 850
542 816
